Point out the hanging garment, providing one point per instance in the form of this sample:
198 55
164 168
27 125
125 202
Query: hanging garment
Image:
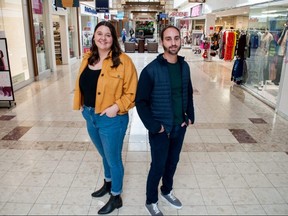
254 40
247 52
282 42
221 44
239 71
230 44
241 46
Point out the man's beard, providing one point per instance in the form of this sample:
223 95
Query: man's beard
167 49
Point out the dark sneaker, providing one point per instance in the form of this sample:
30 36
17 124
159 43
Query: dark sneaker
172 200
153 209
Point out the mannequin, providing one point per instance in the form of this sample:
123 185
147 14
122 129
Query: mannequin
266 39
281 52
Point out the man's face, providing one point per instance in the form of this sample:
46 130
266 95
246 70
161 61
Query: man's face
171 41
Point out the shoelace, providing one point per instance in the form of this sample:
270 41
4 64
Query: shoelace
172 197
155 208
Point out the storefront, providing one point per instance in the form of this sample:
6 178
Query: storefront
183 22
267 50
43 38
51 36
88 22
13 27
258 41
254 32
73 33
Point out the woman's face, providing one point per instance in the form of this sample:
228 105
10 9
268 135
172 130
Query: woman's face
103 38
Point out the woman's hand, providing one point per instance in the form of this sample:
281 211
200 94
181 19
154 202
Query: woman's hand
111 111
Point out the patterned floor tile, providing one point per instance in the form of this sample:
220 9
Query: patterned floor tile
257 121
6 117
242 136
16 133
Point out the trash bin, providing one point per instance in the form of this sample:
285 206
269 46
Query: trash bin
141 45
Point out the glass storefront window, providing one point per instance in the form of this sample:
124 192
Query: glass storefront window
267 47
40 37
71 31
88 24
40 42
12 25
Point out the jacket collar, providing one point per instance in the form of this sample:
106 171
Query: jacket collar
89 53
162 60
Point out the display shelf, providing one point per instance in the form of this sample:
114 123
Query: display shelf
57 43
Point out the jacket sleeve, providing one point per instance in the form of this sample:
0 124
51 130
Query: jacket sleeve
127 100
144 89
190 108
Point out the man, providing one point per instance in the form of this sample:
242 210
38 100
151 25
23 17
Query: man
164 101
131 32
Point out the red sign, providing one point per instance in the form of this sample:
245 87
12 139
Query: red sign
85 49
178 14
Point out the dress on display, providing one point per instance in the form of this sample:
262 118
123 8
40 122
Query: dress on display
280 56
230 44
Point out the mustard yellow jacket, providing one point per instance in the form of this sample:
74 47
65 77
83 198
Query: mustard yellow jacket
115 85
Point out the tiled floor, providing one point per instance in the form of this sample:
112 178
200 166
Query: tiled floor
234 159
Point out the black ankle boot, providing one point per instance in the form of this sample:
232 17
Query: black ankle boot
106 188
113 203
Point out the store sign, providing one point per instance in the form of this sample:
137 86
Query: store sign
120 15
89 10
102 6
178 14
196 11
253 20
196 1
67 3
163 16
37 7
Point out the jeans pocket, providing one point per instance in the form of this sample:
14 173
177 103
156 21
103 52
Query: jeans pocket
85 112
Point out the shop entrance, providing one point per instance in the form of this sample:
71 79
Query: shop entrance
57 39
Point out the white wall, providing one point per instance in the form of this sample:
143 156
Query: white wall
214 5
249 2
282 102
178 3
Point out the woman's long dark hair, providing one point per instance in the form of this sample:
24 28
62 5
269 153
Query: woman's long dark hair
115 48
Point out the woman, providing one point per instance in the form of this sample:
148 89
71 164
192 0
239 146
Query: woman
2 62
123 35
105 91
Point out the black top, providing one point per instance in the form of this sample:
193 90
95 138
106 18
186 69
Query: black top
88 85
176 91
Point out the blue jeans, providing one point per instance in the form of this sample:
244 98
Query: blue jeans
107 134
165 153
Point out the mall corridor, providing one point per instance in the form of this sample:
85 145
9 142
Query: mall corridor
234 160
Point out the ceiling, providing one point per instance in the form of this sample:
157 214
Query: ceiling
244 11
140 6
155 6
